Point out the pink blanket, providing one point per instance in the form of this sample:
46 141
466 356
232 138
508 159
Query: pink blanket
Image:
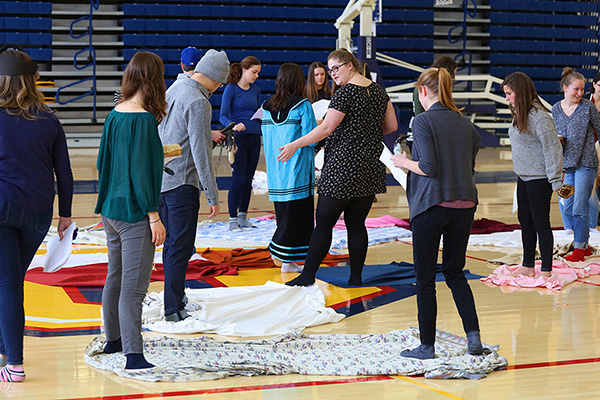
562 275
379 222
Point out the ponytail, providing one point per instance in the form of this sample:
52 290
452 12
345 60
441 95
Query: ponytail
236 69
439 82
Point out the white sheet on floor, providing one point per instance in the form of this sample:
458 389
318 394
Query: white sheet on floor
513 239
270 309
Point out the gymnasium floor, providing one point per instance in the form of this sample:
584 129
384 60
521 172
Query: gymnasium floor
550 340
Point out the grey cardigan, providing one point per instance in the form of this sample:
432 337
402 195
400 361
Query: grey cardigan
445 146
578 129
188 124
537 154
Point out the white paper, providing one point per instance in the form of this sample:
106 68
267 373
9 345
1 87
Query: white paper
258 114
398 173
515 203
320 108
320 159
59 251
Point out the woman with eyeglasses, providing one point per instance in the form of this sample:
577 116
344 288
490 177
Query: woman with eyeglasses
359 114
241 99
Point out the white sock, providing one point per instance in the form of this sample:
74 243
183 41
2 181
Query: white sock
291 267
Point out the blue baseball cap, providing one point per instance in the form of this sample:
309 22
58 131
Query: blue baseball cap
190 56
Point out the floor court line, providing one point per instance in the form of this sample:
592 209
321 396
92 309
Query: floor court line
415 382
328 382
236 389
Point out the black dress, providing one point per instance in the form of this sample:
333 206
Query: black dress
352 167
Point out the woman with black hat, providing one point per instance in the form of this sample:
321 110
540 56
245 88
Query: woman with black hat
33 149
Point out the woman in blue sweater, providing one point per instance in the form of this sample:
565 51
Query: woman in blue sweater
33 148
241 99
442 198
288 116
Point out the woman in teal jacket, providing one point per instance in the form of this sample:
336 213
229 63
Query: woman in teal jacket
288 116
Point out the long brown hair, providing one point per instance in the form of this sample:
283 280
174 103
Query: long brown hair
19 94
289 83
439 82
145 73
312 93
526 98
236 69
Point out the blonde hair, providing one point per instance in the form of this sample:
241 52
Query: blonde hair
439 82
19 95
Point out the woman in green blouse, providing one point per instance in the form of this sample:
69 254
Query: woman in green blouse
130 166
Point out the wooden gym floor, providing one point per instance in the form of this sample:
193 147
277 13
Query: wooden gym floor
550 340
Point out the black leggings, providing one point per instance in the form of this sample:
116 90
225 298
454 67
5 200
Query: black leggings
534 198
329 210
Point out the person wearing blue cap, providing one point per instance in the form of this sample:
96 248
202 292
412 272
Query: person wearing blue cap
189 58
187 123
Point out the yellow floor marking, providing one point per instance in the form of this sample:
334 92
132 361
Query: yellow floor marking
415 382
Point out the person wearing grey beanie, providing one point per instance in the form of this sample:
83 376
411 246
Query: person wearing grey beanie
188 123
214 65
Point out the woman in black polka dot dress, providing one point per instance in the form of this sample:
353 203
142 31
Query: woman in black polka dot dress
359 114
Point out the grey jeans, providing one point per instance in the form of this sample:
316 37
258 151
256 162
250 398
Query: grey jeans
130 258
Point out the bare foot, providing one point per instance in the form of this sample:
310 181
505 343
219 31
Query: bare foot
527 271
547 274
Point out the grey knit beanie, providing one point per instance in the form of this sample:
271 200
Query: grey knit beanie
214 65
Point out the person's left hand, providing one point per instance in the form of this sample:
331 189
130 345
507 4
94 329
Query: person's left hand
63 223
214 211
287 152
217 136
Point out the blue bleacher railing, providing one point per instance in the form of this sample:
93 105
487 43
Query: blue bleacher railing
465 54
91 60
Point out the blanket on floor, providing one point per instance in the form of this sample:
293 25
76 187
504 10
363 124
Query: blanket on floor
217 234
203 358
379 275
95 274
562 275
270 309
257 258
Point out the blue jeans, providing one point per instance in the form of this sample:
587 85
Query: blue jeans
454 226
244 166
178 211
594 210
21 233
575 210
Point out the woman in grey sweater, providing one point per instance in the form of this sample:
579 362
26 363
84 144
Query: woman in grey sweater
537 161
442 198
575 119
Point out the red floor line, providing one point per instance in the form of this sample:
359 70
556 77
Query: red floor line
236 389
554 363
313 383
588 283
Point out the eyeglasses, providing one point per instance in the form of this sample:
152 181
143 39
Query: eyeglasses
335 68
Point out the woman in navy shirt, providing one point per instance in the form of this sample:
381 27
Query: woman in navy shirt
33 149
241 99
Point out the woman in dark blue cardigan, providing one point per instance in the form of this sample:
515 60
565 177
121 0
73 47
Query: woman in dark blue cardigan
442 198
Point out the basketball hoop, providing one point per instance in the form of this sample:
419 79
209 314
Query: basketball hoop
443 2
